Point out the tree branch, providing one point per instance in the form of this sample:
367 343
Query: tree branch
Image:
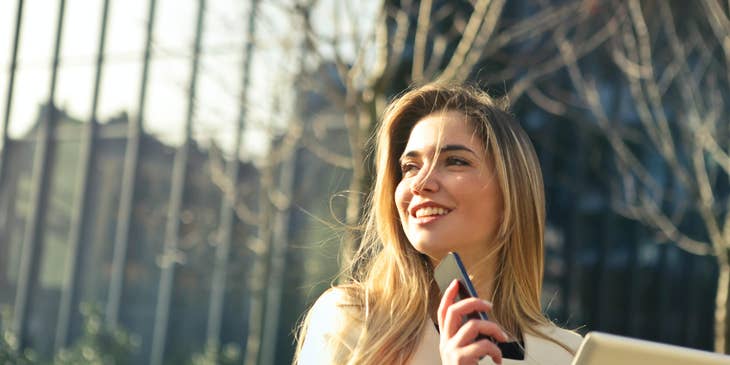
325 155
590 94
419 46
477 18
558 61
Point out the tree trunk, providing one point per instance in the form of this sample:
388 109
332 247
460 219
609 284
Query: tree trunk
721 325
364 120
258 274
277 264
354 207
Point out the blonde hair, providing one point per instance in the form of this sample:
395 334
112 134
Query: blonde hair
390 289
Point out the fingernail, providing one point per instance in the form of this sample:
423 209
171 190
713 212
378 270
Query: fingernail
505 335
487 302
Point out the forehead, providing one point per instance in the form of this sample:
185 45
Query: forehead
443 128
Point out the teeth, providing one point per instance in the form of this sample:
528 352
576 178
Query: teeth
430 211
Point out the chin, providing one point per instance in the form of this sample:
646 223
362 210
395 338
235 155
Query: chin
431 249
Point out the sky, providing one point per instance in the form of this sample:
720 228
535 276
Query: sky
274 64
219 82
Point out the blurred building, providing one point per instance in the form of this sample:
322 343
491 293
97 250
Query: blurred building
198 227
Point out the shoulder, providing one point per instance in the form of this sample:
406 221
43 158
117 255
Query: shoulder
330 328
334 304
329 300
548 344
329 311
569 338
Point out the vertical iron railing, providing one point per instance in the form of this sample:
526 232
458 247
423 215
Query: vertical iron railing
256 280
42 165
177 191
573 221
281 236
229 201
279 246
664 288
4 158
81 199
4 150
257 271
129 177
632 318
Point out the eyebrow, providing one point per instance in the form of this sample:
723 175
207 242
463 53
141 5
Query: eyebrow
447 148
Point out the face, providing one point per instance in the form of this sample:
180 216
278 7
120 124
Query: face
450 200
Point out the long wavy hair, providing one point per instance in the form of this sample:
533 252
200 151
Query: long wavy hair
390 292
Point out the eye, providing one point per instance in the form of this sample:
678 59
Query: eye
407 167
456 161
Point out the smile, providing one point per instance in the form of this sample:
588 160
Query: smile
431 212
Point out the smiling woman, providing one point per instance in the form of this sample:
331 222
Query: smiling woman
455 173
448 199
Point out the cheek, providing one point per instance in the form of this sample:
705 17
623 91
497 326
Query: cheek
402 198
482 202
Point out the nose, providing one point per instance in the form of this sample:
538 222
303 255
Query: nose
426 182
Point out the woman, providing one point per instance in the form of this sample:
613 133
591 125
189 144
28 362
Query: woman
455 172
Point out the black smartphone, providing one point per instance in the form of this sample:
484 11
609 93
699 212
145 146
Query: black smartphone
450 268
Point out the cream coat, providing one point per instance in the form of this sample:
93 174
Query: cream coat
327 317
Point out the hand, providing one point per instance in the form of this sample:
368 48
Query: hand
457 344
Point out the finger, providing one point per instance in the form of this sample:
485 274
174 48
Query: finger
471 305
456 311
447 299
472 328
480 349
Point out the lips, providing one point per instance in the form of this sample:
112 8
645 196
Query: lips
428 209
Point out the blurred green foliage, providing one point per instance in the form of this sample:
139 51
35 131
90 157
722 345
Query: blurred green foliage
98 345
229 354
9 353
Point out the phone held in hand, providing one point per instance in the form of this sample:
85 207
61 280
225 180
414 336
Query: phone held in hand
450 268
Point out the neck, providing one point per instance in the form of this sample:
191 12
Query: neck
482 269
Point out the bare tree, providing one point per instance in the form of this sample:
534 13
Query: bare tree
450 43
672 70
